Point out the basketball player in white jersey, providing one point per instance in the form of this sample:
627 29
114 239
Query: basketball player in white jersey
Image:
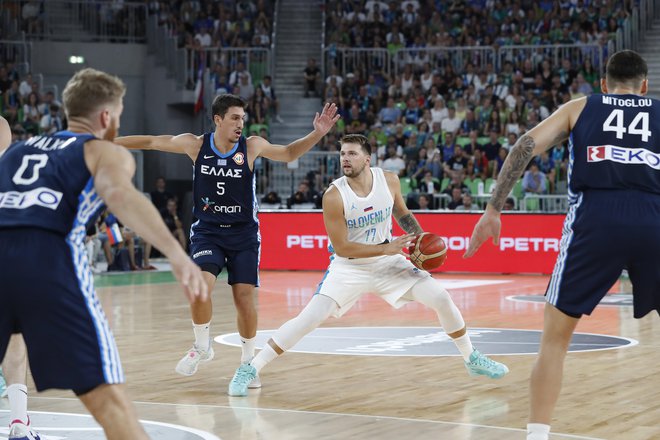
357 212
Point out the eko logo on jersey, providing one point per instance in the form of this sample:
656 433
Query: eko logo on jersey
42 196
631 156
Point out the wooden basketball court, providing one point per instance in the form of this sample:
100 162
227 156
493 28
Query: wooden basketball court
608 394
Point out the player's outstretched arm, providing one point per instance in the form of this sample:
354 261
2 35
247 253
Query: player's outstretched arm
113 168
335 225
551 131
322 125
5 134
400 211
186 143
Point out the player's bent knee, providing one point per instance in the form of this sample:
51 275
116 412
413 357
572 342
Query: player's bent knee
106 401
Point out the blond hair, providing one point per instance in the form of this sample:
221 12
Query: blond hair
90 89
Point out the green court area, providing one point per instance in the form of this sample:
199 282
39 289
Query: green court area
137 278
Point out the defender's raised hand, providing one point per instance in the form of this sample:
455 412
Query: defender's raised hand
328 117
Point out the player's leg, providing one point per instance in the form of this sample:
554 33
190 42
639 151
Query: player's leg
548 370
243 277
429 292
590 260
316 312
211 259
15 367
110 406
246 318
201 311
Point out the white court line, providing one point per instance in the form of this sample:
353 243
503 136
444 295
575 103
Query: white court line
325 413
222 339
529 301
202 434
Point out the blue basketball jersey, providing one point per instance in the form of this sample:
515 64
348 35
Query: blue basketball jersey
224 186
615 144
45 183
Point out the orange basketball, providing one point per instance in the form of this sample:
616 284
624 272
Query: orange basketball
428 251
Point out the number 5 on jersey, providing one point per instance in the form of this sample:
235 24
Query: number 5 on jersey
620 129
221 188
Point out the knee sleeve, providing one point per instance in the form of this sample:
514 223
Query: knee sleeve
430 293
317 310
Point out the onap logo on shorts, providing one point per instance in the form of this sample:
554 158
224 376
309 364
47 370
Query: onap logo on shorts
629 156
42 196
239 158
202 253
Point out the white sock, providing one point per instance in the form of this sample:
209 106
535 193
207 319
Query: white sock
248 349
202 339
464 345
537 431
17 394
266 355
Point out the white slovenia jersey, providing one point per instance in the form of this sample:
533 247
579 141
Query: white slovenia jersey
369 219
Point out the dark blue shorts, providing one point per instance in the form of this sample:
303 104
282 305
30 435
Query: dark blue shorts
238 248
47 294
604 233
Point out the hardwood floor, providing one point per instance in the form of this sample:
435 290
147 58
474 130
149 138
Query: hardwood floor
609 394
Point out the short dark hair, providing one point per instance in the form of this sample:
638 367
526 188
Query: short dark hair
357 139
627 67
223 102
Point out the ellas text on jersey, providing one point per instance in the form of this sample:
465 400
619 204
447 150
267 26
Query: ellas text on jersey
236 173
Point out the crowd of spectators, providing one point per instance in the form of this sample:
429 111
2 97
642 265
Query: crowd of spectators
26 107
202 25
216 23
413 23
446 128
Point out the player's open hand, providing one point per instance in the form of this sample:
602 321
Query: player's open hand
397 245
190 277
489 225
328 117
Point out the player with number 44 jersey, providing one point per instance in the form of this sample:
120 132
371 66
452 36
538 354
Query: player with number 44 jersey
613 219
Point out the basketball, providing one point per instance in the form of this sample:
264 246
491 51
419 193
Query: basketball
428 251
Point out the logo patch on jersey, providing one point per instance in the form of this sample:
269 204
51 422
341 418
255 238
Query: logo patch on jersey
209 156
207 203
628 156
42 196
239 158
222 162
368 208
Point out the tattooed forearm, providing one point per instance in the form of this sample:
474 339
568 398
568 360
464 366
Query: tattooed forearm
514 165
409 224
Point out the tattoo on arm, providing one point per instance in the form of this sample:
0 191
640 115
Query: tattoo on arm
410 224
513 167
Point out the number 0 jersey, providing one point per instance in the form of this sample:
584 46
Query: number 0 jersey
45 183
224 185
615 144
